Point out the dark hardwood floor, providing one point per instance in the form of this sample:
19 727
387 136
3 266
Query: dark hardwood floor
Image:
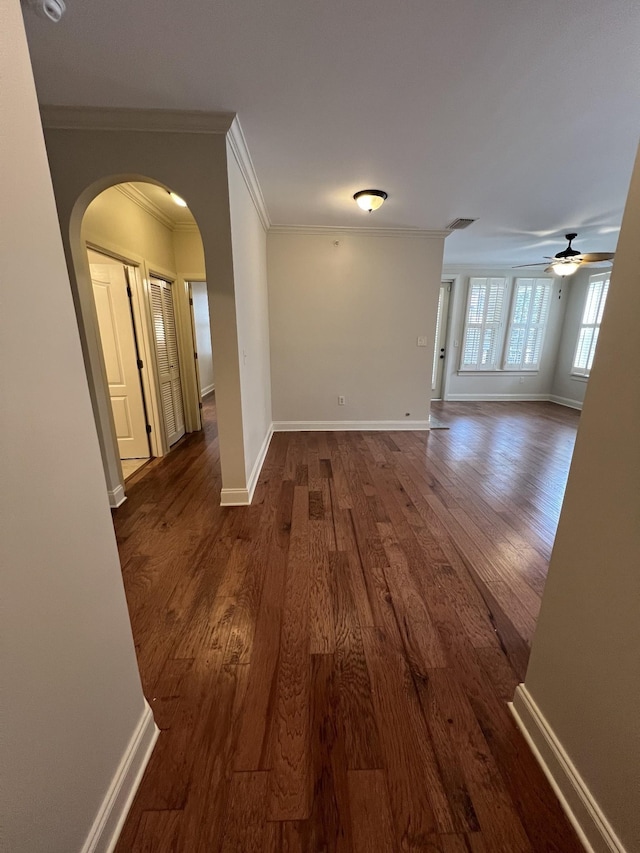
330 667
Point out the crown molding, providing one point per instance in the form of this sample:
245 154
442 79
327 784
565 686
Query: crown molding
491 269
186 227
238 145
134 195
158 121
327 230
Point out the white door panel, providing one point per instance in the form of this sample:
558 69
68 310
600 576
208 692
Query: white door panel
120 358
440 341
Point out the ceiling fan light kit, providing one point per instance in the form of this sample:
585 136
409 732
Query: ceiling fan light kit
370 199
567 261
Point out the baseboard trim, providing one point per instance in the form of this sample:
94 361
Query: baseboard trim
594 830
243 497
257 467
209 389
349 426
112 814
234 497
565 401
116 497
498 398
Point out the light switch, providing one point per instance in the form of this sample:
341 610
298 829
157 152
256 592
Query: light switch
422 341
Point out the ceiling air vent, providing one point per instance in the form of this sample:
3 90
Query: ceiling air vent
459 224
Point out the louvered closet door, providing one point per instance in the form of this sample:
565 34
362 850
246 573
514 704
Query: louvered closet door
166 338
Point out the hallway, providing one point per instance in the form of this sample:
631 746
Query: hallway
330 667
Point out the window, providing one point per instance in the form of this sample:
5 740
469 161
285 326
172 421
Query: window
529 314
481 342
590 326
494 342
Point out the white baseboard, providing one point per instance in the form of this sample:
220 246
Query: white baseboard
497 398
348 426
257 467
116 497
594 830
565 401
207 390
234 497
112 814
243 497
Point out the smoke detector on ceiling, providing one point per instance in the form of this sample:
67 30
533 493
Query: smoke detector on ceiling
51 9
459 224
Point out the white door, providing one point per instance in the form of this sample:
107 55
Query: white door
166 339
440 341
113 308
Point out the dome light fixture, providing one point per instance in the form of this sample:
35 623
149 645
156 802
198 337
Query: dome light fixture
564 268
176 198
369 199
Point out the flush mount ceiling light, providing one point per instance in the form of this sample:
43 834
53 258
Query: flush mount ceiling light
370 199
179 201
563 268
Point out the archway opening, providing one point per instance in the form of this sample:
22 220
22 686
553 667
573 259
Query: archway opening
144 318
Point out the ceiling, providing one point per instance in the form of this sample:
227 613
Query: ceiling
521 114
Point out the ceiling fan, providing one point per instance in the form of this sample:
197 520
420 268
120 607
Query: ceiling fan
567 262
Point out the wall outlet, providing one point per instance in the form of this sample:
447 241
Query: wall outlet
341 400
522 380
422 341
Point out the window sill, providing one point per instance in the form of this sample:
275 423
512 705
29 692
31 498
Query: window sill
498 372
579 376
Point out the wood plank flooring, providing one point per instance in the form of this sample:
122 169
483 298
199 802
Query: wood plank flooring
330 667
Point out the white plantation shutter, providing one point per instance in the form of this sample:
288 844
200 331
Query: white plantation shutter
166 340
590 326
481 342
529 314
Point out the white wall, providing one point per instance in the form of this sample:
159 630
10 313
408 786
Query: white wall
71 691
502 384
344 321
249 245
203 336
194 164
565 387
584 672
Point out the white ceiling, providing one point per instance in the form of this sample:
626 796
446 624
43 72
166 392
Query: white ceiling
522 113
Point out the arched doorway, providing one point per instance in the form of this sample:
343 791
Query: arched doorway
134 278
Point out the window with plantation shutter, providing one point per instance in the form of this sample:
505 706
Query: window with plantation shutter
527 324
590 326
481 343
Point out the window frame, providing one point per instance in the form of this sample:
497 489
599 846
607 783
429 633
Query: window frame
499 366
605 277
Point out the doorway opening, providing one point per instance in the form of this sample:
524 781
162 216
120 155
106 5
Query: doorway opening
145 256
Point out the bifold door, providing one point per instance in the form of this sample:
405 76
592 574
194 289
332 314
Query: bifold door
166 340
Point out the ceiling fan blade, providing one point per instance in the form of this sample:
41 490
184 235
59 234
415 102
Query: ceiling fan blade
520 266
594 257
